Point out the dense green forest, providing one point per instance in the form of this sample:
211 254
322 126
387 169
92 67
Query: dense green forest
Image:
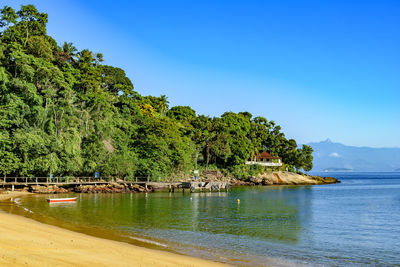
64 112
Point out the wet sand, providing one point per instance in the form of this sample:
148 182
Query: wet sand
24 241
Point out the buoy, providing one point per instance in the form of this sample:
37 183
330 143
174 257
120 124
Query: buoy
238 201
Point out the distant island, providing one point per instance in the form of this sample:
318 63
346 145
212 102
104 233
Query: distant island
337 170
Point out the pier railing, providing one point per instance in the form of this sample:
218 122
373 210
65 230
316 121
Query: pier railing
69 180
193 186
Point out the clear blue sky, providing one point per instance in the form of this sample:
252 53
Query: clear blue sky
318 68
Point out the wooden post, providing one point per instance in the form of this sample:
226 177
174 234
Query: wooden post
26 180
36 181
15 181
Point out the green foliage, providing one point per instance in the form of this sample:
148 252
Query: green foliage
158 104
245 171
161 148
182 113
62 112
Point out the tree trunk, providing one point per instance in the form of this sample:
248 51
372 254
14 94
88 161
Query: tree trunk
208 157
27 35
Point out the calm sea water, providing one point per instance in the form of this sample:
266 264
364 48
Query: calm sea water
356 222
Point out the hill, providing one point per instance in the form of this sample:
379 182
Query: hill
64 113
331 156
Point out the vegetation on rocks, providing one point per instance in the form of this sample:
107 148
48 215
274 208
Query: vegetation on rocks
65 113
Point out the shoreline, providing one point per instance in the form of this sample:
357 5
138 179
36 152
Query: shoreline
16 240
27 241
266 179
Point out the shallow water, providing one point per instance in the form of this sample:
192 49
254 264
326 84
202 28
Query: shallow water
356 222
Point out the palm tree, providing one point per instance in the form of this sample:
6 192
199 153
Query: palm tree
163 103
69 52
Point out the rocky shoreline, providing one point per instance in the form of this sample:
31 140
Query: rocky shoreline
286 178
101 188
265 179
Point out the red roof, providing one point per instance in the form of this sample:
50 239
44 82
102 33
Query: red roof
266 155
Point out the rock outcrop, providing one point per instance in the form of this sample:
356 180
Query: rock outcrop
101 188
51 189
112 188
267 178
289 178
211 175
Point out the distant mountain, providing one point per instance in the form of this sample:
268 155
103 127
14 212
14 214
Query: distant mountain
337 170
330 156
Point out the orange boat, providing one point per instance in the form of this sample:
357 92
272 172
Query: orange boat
57 200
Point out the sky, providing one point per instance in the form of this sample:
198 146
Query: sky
320 69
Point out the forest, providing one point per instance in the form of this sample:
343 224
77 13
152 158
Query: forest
64 112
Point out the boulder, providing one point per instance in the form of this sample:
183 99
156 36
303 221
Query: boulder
256 180
267 181
212 175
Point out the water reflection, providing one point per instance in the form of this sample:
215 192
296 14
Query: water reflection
270 213
354 223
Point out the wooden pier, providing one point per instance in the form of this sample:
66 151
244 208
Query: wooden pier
43 181
192 186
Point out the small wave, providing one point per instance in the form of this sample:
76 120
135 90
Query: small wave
148 241
17 201
28 210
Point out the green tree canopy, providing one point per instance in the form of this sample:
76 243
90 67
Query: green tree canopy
63 112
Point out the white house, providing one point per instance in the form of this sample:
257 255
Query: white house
265 159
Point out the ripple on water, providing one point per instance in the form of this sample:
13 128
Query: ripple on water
356 222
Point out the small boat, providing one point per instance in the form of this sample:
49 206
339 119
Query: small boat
57 200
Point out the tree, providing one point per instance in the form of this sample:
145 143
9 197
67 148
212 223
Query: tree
182 113
305 158
163 104
67 53
8 160
8 16
62 111
115 81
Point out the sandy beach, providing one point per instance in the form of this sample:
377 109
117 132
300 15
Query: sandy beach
27 242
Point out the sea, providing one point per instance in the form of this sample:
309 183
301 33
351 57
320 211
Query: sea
352 223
